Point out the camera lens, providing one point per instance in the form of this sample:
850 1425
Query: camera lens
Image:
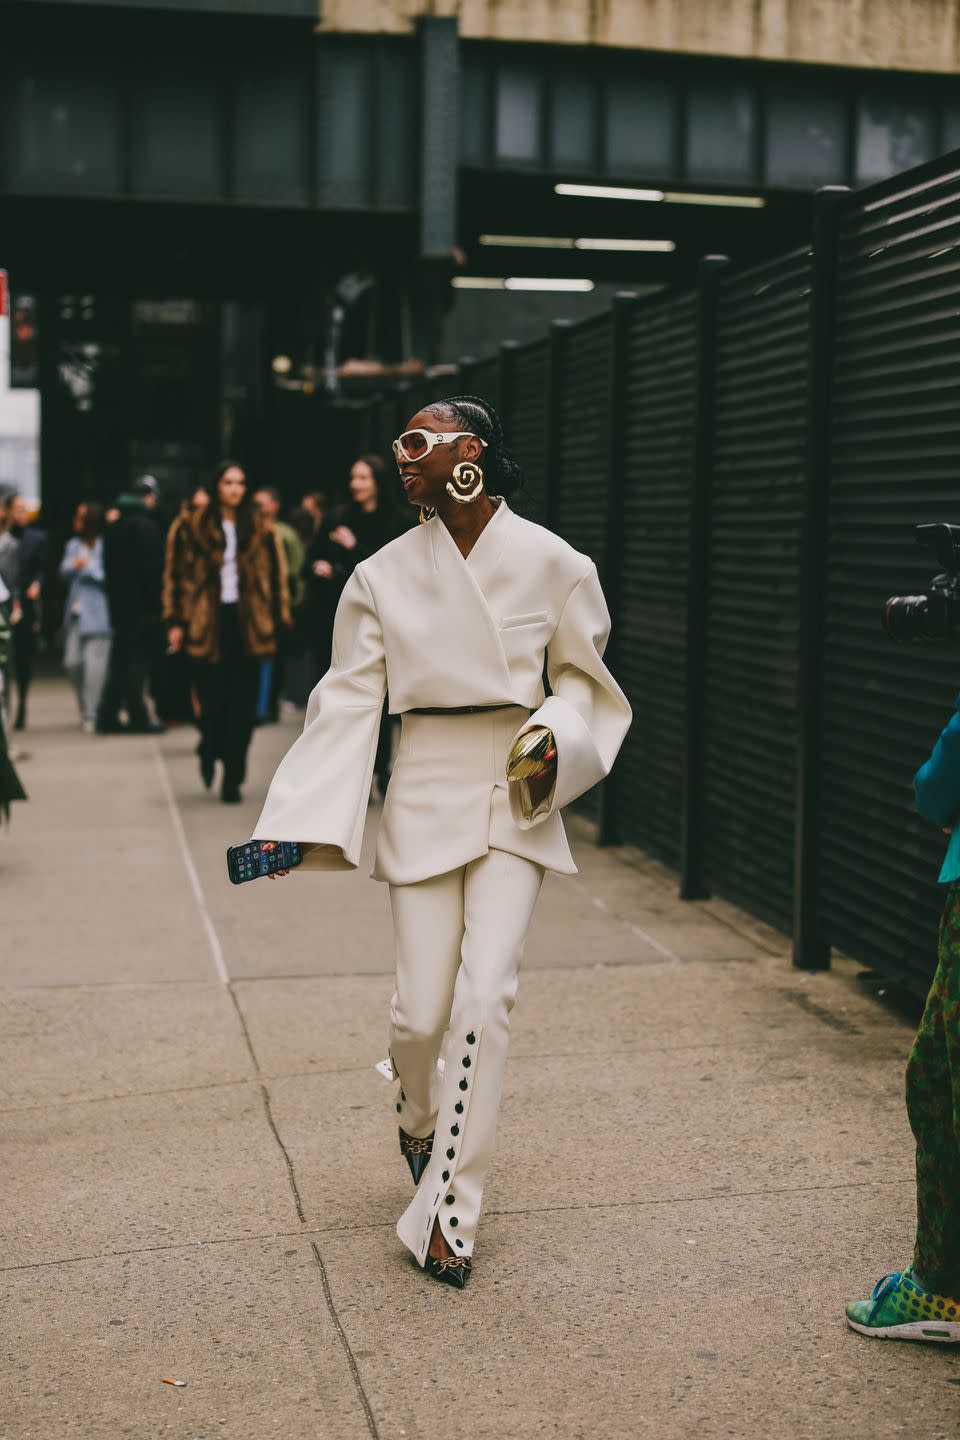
907 618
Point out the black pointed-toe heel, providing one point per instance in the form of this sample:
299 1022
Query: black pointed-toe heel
416 1152
452 1270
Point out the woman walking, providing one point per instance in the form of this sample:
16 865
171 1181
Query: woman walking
225 600
86 616
455 619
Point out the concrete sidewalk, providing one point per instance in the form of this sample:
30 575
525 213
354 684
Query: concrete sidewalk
702 1153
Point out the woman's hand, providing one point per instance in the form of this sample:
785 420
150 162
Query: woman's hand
273 845
323 569
81 561
344 537
175 638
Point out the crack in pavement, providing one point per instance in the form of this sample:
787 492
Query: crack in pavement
342 1336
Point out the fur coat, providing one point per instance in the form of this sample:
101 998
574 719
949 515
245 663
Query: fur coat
191 585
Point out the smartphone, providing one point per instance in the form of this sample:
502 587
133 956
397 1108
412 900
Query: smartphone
250 861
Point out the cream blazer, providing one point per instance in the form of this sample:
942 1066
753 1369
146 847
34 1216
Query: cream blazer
418 621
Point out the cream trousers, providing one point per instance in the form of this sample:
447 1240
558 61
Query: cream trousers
459 939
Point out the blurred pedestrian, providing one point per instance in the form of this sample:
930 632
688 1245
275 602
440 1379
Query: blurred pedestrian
10 606
315 504
299 679
133 565
10 786
273 674
225 603
365 524
323 592
31 567
177 700
86 617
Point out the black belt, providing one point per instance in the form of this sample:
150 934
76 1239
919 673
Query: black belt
459 709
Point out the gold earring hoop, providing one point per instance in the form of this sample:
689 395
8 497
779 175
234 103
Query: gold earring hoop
466 483
427 512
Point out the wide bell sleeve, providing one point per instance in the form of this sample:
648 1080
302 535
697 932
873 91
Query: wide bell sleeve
320 792
587 711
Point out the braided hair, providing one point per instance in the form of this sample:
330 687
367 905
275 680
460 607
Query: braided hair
502 474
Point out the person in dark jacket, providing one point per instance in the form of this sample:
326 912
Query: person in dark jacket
922 1302
365 524
133 566
31 568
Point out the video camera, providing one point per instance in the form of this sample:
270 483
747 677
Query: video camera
920 619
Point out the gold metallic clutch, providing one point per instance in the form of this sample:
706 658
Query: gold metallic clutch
533 754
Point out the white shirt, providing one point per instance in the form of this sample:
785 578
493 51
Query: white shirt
229 583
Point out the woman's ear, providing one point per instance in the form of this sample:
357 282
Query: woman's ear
471 448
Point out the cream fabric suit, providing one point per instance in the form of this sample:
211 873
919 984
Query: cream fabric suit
436 630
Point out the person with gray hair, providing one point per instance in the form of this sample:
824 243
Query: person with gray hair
86 619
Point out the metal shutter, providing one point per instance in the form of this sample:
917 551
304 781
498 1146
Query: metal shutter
895 462
483 378
583 449
760 400
652 637
527 431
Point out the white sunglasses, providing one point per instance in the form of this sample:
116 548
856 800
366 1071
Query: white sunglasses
416 444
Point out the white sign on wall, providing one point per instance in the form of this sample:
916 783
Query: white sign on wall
19 420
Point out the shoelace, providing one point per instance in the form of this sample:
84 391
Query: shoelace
883 1288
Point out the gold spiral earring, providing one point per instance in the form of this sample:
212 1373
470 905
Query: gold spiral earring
466 483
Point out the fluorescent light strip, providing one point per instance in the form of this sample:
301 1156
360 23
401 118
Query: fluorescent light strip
689 197
530 242
528 283
560 242
518 282
674 197
665 247
607 192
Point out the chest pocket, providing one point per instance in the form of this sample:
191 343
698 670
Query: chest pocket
513 622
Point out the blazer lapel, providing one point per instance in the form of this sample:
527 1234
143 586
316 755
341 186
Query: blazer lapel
463 604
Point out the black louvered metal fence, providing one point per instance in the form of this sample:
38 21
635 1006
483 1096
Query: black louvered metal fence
746 465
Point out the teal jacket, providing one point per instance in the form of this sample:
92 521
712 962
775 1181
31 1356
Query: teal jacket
936 786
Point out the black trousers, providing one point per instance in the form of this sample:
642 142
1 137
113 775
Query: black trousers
228 700
24 650
131 655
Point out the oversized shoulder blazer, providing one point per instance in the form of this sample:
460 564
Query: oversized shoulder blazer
433 629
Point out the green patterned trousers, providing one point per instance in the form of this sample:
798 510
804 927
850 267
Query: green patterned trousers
933 1105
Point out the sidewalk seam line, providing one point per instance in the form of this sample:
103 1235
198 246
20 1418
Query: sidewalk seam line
908 1180
341 1333
213 939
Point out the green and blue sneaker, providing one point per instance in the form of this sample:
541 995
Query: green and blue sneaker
900 1309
